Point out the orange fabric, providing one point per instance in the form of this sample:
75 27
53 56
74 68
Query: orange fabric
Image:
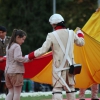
40 69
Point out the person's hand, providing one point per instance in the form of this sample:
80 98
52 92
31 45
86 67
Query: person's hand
26 56
80 33
77 28
98 9
31 56
1 59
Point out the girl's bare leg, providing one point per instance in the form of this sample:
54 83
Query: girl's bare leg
17 92
10 94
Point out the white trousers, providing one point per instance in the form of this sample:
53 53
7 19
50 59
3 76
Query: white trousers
71 96
94 92
57 94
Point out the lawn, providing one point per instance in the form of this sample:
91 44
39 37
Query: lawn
45 97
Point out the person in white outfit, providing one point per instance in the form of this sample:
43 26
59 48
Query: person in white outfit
94 92
62 57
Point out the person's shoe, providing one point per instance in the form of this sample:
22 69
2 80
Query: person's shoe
94 99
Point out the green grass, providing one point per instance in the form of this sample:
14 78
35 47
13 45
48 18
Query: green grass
47 97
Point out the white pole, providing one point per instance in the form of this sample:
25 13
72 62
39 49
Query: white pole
98 3
54 6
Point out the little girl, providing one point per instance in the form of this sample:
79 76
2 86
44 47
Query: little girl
14 65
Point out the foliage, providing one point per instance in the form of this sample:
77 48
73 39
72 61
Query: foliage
32 16
78 12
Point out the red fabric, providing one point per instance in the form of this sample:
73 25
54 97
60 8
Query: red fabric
37 65
31 55
34 67
78 99
59 27
80 35
85 99
3 64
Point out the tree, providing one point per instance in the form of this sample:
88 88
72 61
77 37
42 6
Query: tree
32 16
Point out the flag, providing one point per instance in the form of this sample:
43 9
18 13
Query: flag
40 69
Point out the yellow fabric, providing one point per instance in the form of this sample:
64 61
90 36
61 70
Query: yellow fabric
92 27
45 76
88 56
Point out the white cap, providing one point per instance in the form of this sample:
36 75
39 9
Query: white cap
56 18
